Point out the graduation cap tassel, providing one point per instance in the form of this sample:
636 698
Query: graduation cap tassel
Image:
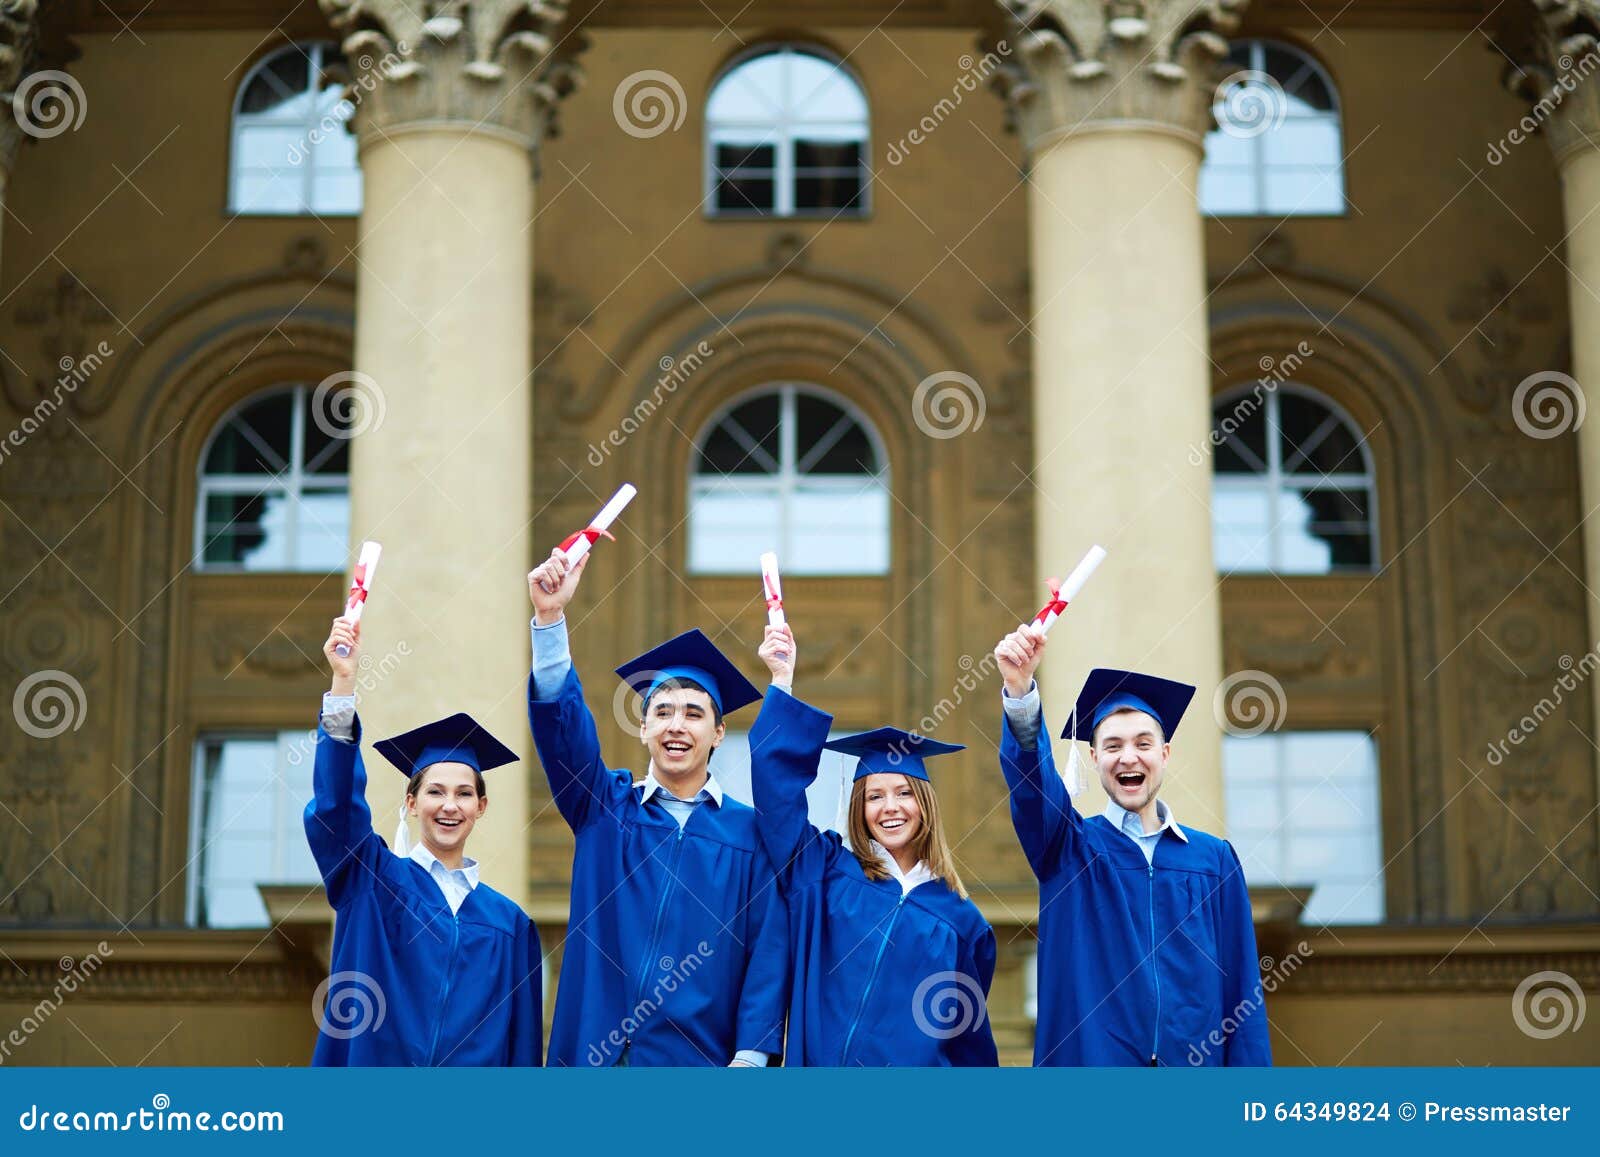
1072 776
402 835
842 821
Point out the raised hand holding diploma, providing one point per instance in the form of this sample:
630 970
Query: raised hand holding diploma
361 583
777 652
1062 593
342 652
772 589
552 584
577 544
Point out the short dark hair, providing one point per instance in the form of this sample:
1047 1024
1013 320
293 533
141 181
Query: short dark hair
1094 736
683 683
414 786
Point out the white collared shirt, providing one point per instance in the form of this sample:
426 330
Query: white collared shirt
455 883
919 873
1130 825
681 809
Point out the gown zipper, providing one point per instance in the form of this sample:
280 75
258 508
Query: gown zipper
871 979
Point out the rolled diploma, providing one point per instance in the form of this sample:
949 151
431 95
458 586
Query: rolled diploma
772 589
360 585
1080 575
602 521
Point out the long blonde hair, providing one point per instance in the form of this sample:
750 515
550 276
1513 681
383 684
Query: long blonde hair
929 845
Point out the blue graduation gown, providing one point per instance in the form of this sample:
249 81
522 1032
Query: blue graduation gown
881 977
1105 998
677 948
424 986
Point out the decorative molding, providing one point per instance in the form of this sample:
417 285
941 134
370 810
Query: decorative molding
1086 65
479 65
1554 72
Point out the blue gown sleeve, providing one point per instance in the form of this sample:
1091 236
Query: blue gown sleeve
976 1047
569 749
527 999
764 999
1047 824
785 748
1250 1043
338 821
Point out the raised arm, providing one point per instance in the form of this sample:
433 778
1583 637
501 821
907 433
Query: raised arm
1047 824
338 821
785 748
564 732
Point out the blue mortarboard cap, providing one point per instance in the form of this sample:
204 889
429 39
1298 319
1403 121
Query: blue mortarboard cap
1107 690
691 656
455 739
888 749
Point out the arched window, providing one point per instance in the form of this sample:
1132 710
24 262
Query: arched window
292 152
274 486
1294 490
793 469
786 134
1277 149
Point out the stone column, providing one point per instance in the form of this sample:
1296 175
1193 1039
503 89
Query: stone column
1563 85
19 30
452 102
1112 103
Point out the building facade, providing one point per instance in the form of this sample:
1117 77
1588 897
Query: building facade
1291 306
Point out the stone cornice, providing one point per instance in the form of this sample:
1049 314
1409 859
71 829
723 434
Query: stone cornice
1560 78
1095 65
495 66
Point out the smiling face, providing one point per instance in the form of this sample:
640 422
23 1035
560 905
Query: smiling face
893 815
1132 757
680 730
447 802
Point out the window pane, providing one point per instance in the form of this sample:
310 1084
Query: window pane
739 194
267 193
1302 141
1240 524
815 154
841 192
247 530
760 155
1304 191
280 150
336 192
1225 191
283 76
822 90
724 514
1326 832
844 446
322 530
1226 150
837 529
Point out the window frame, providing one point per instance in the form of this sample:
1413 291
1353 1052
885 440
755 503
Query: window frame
779 131
783 481
1259 205
317 54
1275 481
291 483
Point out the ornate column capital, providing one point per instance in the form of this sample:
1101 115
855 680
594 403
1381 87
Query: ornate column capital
1093 65
489 65
19 37
1557 75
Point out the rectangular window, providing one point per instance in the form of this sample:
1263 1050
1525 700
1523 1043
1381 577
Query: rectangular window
250 793
1303 810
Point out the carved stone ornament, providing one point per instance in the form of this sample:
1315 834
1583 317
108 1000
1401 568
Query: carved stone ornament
19 34
1560 79
496 65
1083 65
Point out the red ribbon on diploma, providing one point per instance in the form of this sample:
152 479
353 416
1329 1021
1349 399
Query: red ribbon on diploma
592 533
774 600
1055 606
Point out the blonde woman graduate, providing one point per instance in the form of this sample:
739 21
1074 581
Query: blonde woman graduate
891 961
431 966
